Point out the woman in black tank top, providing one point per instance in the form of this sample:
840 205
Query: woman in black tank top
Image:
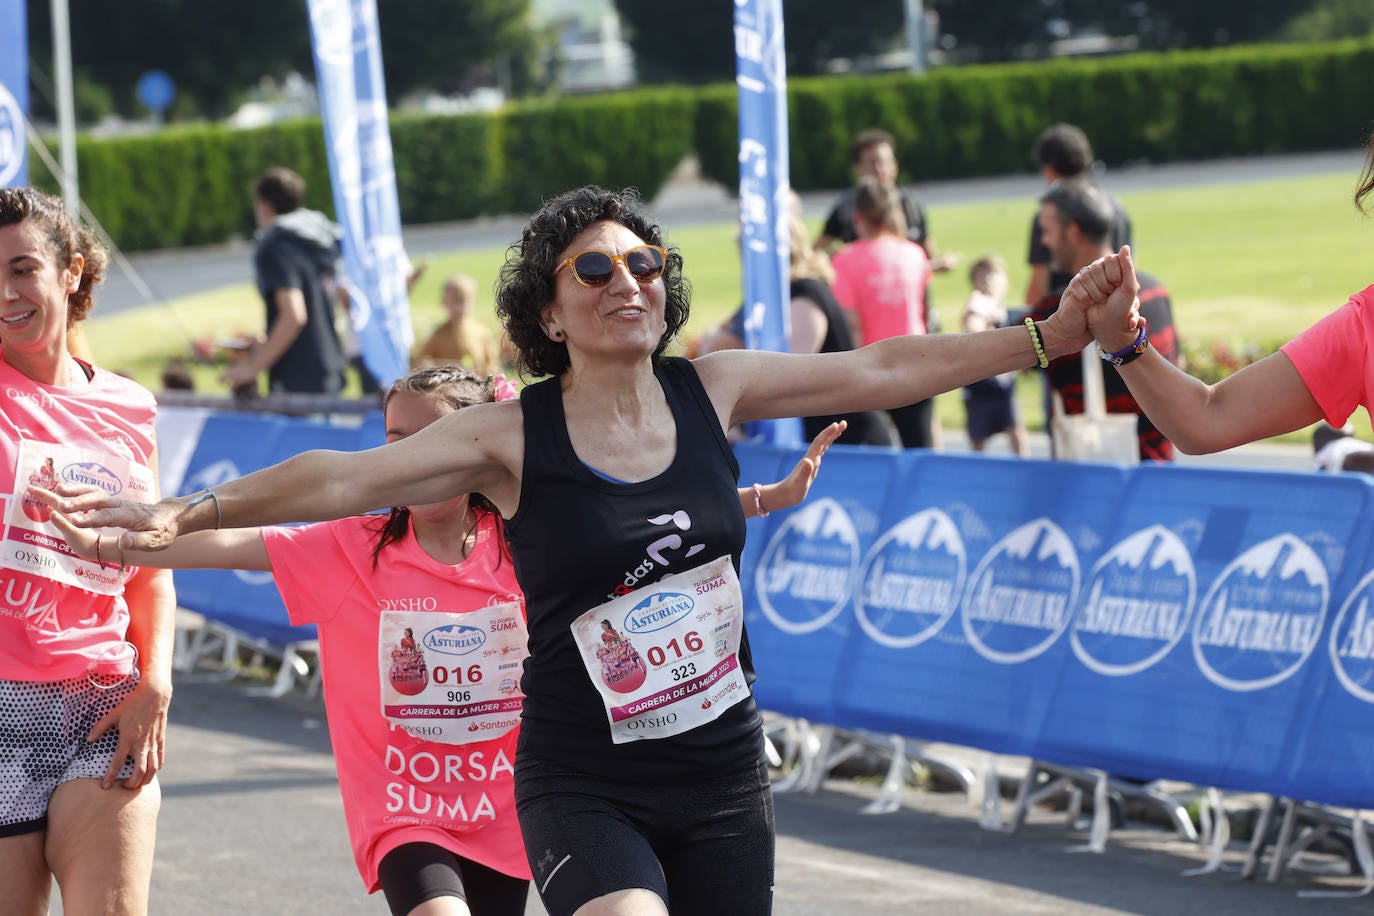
640 780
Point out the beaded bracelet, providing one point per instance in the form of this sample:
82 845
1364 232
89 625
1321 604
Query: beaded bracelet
1129 354
1034 332
758 502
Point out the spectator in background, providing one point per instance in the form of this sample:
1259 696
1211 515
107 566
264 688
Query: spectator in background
990 404
176 376
461 340
1063 151
296 263
352 346
1076 220
881 281
874 153
1332 446
818 325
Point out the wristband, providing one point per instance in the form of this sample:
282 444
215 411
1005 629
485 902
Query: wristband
758 502
1131 353
1034 333
208 494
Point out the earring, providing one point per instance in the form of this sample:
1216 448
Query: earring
557 335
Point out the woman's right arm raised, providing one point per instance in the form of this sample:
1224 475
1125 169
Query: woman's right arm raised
467 451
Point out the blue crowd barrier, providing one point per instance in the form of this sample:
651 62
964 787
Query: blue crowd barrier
1212 626
229 446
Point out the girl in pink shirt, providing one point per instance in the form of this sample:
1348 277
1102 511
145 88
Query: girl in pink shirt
1325 372
422 640
880 281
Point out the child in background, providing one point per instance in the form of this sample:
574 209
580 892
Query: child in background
991 403
461 340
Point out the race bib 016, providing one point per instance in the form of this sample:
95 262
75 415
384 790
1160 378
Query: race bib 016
32 544
449 677
665 658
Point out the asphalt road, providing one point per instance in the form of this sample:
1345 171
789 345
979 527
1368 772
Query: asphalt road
151 277
251 823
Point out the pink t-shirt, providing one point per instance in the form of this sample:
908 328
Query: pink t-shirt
884 280
398 788
50 631
1333 357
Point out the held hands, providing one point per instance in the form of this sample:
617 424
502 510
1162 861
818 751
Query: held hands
148 526
1105 295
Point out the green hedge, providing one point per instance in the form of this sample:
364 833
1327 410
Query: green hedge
971 121
187 186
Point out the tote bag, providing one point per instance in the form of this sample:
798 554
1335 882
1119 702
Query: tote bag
1093 435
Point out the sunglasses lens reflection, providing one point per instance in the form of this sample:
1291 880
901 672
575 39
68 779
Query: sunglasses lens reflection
644 263
594 268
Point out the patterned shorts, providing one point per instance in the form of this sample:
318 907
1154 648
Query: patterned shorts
43 728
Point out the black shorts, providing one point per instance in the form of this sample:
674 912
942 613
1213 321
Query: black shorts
705 848
415 872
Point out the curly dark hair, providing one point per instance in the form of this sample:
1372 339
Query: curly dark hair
66 237
526 284
456 388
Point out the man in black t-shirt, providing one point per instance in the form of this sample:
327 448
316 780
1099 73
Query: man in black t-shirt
295 261
1076 217
1062 151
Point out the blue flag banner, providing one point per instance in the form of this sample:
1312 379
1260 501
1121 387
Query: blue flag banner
348 70
761 75
14 94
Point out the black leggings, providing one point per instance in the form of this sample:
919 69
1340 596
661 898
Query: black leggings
913 423
416 872
705 848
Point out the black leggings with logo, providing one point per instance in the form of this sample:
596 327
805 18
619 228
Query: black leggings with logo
705 848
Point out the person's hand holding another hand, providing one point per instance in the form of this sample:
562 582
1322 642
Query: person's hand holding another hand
148 526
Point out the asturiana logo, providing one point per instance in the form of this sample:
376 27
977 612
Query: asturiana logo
658 611
455 639
91 474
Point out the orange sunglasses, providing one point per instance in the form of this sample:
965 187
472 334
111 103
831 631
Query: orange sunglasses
595 268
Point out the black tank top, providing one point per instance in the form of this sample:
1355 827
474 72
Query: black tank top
578 540
865 427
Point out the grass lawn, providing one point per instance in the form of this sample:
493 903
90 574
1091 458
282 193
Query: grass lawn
1250 263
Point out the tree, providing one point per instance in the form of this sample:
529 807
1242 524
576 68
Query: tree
215 51
454 45
1331 19
700 48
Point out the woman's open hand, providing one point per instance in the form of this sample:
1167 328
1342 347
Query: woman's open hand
147 526
793 488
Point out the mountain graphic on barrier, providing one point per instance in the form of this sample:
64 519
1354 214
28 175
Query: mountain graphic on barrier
1263 615
1280 559
805 576
1021 597
1152 549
